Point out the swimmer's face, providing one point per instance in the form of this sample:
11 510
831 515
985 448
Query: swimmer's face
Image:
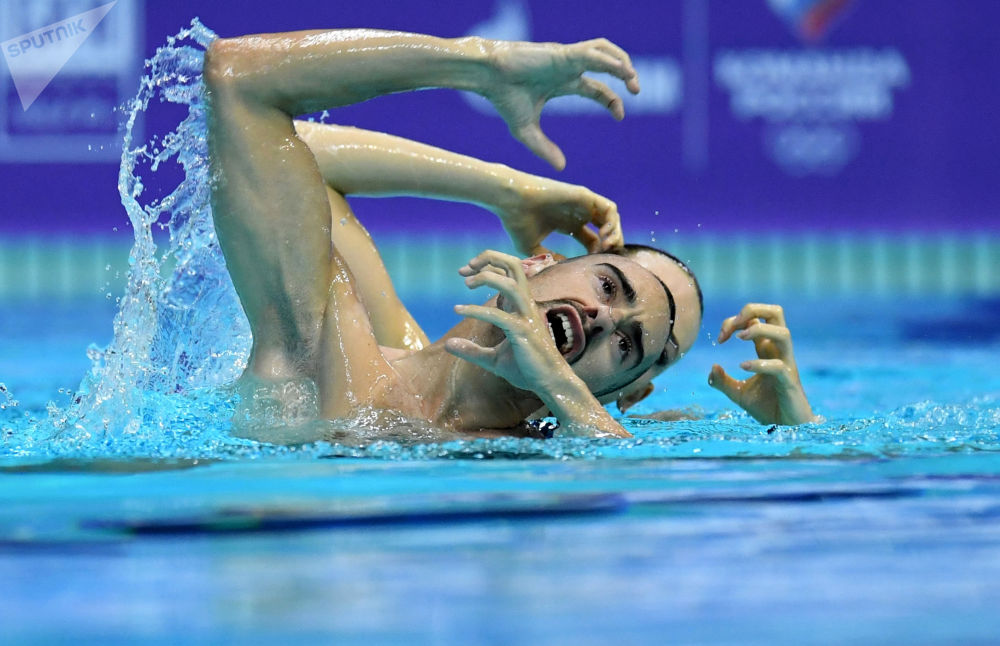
608 315
687 320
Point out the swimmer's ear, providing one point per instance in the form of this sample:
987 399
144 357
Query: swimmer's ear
537 263
629 399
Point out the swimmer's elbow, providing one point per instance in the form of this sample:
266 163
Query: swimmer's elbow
219 68
232 73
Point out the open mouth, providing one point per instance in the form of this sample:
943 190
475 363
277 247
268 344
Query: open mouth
566 329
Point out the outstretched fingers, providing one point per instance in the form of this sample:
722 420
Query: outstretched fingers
603 215
492 260
530 74
774 367
503 273
531 135
608 239
590 240
600 93
611 230
500 282
472 352
601 55
503 320
767 336
727 385
751 312
467 271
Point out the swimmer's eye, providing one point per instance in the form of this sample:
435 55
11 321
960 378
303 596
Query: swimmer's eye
624 345
608 287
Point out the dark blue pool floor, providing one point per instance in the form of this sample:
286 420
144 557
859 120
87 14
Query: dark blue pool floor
583 552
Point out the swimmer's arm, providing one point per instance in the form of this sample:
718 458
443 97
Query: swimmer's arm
272 217
579 413
365 163
392 323
270 205
354 161
302 72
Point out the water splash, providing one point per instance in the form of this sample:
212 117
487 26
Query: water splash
179 333
7 398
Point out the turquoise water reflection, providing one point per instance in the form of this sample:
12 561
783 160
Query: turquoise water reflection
680 551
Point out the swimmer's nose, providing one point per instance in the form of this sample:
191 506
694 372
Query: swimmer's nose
597 319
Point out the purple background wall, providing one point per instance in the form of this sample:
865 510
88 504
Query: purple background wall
887 120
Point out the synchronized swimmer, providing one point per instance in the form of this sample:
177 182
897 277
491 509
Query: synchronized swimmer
330 336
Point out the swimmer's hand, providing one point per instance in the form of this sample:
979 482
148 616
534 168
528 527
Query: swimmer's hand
523 76
536 207
527 358
774 395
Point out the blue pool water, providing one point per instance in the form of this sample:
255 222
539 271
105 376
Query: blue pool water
881 525
128 512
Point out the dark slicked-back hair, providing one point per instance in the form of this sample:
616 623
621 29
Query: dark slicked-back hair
632 249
